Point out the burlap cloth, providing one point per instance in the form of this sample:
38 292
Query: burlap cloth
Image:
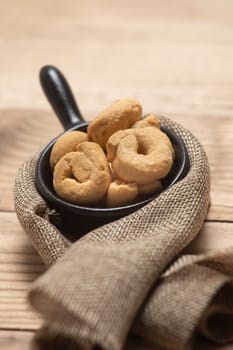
121 281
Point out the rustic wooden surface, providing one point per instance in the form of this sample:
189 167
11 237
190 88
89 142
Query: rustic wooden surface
174 56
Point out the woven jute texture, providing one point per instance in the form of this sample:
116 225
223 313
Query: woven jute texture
113 285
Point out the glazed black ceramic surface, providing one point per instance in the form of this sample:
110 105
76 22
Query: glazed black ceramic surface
75 220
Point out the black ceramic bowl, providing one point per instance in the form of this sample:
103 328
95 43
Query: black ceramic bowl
76 220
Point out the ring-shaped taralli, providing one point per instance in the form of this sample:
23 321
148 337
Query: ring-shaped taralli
148 120
82 177
142 155
120 115
152 121
121 193
65 144
155 186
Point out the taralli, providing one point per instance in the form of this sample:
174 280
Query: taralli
120 115
142 155
65 144
121 157
82 177
149 188
121 193
149 120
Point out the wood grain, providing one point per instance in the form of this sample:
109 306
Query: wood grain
22 133
20 265
14 340
135 48
213 236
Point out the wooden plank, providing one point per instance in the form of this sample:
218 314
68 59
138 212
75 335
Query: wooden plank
213 236
20 265
23 132
15 340
169 45
102 45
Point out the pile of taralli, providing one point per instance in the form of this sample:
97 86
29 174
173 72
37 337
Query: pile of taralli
121 157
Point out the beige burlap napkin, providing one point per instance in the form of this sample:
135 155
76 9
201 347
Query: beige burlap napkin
111 283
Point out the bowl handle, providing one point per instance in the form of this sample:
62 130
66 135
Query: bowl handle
60 96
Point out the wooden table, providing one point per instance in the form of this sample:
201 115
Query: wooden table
176 57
